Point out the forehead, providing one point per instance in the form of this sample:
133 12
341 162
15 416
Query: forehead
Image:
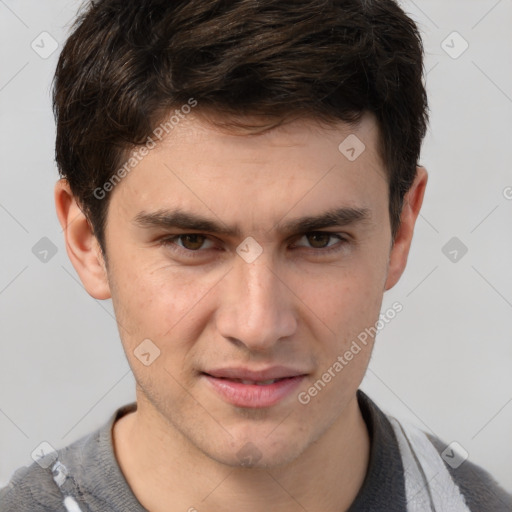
304 137
298 166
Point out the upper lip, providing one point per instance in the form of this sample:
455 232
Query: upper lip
274 372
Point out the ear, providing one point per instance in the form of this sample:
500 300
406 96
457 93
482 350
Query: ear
81 244
413 200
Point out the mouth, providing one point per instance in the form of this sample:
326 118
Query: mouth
255 390
253 382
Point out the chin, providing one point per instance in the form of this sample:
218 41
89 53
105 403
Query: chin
257 452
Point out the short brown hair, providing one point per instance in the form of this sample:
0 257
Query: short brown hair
128 62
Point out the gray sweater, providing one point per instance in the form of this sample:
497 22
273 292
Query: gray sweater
98 485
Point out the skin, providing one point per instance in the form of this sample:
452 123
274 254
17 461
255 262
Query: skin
294 305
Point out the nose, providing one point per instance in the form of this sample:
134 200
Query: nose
257 305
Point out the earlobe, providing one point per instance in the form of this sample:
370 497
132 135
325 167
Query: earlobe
81 244
410 211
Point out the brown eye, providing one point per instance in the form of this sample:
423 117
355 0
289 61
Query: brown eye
192 242
320 243
189 245
319 240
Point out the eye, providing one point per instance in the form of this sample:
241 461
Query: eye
319 241
190 242
192 245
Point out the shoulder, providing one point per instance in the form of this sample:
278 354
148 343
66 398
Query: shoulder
31 488
479 488
470 482
44 484
76 471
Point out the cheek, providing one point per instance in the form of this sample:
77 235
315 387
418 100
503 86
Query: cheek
347 298
159 301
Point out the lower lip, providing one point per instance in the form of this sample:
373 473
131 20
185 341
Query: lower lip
252 395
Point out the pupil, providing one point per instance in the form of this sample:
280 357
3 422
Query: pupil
315 237
196 244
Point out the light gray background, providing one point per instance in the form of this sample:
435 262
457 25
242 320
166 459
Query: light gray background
444 362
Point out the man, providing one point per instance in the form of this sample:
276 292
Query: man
241 179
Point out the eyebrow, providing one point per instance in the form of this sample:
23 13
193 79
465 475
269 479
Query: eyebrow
180 219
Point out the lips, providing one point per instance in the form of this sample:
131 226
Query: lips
267 374
245 387
256 382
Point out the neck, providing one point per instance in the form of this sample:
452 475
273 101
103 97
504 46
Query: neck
161 467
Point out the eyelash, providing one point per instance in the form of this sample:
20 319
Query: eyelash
169 242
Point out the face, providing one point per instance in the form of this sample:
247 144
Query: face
236 260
